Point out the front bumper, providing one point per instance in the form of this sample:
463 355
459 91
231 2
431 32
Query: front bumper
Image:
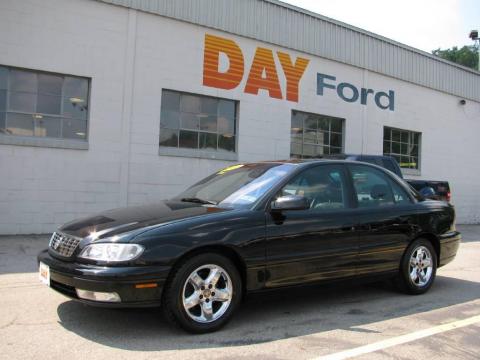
65 277
449 243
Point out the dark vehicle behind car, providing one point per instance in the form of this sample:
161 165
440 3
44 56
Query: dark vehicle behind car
440 190
251 227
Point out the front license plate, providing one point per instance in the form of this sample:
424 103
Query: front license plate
44 273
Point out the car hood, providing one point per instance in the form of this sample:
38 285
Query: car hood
135 218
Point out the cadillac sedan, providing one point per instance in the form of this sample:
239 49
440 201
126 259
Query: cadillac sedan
251 227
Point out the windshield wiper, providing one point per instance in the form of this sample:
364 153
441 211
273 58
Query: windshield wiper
198 201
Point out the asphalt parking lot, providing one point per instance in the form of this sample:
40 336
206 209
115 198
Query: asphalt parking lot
367 321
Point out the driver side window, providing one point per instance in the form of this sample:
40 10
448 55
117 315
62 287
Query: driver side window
324 187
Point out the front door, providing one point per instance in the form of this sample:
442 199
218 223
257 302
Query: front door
318 243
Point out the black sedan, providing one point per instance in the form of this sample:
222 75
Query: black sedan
251 227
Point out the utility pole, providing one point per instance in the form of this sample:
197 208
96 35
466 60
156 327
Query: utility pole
474 36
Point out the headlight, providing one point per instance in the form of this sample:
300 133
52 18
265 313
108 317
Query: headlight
111 252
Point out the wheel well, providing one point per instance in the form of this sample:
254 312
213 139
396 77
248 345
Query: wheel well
434 241
226 251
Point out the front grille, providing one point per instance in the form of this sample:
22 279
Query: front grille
63 244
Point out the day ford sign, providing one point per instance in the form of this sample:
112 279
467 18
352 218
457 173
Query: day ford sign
350 93
263 74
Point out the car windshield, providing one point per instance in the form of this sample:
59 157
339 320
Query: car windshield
237 186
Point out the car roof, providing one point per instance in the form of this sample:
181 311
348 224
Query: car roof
309 161
342 159
350 158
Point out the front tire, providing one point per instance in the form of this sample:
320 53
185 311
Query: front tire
418 268
203 292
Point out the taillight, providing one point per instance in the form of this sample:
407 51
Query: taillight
448 196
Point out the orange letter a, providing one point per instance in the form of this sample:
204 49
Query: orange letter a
230 79
263 62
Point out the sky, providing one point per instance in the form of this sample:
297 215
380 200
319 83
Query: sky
422 24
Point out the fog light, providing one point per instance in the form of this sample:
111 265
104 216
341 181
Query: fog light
98 296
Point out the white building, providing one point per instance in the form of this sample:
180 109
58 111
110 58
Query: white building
87 89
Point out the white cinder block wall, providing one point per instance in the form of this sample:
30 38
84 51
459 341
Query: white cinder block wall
131 56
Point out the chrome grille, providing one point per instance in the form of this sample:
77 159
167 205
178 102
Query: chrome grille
63 244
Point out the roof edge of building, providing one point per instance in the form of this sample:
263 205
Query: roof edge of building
370 34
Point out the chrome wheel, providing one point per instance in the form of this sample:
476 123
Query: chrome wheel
421 266
207 293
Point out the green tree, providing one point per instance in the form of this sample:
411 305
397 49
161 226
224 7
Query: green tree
466 56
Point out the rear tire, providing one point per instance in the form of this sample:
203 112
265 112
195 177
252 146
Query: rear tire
203 293
418 268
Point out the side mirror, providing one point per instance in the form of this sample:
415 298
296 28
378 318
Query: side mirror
290 202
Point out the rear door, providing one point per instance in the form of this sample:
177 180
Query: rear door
318 243
386 219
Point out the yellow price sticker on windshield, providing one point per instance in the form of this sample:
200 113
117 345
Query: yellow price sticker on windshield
230 168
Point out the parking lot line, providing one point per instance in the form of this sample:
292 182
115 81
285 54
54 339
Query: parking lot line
398 340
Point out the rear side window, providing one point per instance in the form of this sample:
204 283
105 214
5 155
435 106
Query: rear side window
373 188
399 195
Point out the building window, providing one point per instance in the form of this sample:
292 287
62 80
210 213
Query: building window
315 135
403 145
38 104
204 125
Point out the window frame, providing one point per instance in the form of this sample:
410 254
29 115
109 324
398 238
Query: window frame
388 178
49 142
198 152
411 134
328 117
